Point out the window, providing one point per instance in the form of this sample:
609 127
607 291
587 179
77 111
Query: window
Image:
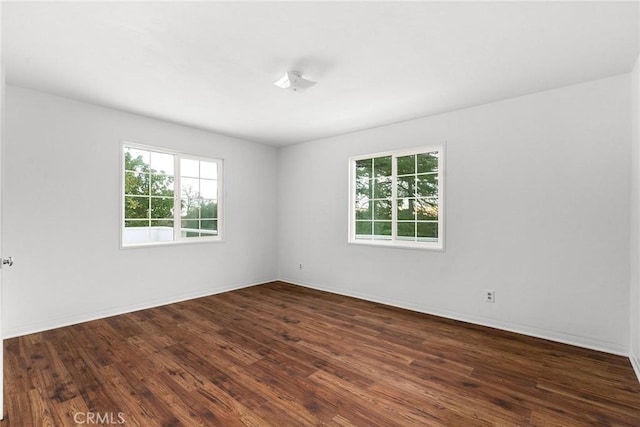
169 197
396 199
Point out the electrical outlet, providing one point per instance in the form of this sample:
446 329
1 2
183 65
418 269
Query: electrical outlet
299 266
489 295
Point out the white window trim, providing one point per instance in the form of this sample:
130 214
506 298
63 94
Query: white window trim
177 239
394 243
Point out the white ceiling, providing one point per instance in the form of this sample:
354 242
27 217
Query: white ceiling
212 64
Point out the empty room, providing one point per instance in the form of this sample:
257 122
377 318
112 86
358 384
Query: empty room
320 213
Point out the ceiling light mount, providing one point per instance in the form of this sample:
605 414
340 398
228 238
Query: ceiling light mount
293 81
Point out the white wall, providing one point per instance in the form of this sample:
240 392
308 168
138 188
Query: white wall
537 209
62 211
634 296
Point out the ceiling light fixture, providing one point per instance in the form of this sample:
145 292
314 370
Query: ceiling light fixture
292 80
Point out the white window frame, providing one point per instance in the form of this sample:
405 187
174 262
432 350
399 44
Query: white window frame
394 242
177 238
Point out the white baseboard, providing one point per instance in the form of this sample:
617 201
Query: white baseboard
635 362
87 317
564 338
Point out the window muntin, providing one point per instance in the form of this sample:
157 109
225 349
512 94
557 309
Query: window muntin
169 197
396 199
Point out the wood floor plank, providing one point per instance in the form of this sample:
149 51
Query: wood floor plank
18 410
282 355
40 409
66 413
184 407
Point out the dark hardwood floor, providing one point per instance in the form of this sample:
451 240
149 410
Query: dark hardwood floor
283 355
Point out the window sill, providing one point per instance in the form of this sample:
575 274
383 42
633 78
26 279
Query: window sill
170 243
399 245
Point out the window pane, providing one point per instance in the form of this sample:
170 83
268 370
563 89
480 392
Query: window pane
427 185
364 188
382 166
208 209
136 160
382 230
162 185
189 188
162 163
136 183
382 188
427 209
210 225
136 207
406 165
406 209
382 209
427 162
407 230
161 231
161 207
190 168
209 229
363 209
190 208
208 189
364 169
190 225
136 223
427 230
406 186
162 223
364 229
208 170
